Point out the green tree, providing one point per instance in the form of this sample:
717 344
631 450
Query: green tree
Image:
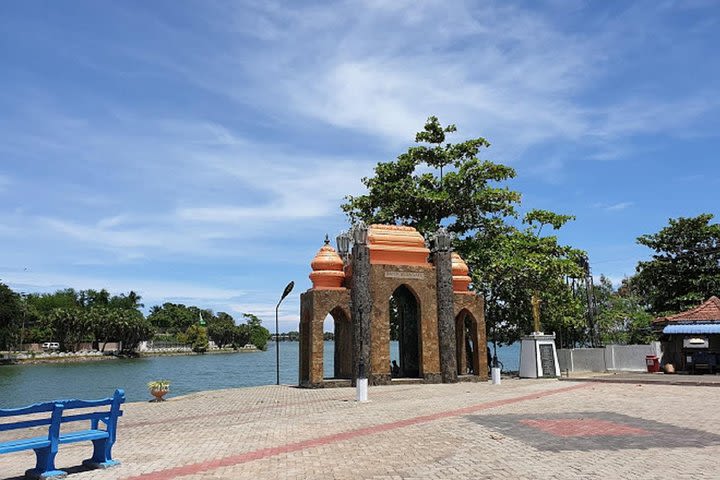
621 317
511 264
11 315
131 301
69 327
685 269
131 328
172 318
102 322
221 329
241 335
197 338
93 298
259 335
436 181
44 303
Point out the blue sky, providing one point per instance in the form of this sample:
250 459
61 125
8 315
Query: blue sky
198 151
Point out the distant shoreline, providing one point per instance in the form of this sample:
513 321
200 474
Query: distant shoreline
96 358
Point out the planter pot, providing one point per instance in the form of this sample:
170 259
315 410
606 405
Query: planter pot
158 394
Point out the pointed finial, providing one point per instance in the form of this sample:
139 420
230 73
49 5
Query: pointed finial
327 239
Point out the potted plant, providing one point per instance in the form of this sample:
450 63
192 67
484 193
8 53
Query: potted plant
158 389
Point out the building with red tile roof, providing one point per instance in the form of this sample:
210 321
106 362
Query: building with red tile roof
691 339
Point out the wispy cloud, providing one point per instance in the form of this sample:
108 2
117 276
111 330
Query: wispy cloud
614 207
230 132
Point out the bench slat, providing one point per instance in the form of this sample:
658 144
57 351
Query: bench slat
83 435
34 408
24 444
25 424
66 419
85 403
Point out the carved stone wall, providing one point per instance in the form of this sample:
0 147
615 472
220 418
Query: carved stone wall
432 306
420 280
472 305
315 305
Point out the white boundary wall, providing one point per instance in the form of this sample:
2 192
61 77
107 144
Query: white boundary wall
610 358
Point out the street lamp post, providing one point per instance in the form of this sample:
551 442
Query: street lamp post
285 293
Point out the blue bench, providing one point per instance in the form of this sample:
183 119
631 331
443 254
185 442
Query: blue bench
46 447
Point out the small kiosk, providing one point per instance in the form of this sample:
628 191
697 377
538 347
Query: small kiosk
691 339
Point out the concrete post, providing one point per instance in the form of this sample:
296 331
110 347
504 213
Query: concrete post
446 320
361 310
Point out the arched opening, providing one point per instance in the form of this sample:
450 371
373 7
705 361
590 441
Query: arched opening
466 348
337 336
404 328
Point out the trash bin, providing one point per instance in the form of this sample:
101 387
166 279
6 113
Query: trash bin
653 363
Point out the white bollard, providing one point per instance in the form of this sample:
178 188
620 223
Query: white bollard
362 389
495 373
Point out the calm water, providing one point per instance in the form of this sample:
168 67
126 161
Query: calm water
24 384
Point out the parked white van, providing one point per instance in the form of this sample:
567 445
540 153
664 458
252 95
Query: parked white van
51 346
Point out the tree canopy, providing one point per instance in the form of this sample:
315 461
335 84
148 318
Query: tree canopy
437 183
685 269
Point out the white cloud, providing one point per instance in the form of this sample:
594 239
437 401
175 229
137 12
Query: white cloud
149 289
614 207
312 96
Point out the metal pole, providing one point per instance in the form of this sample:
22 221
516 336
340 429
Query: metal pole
285 293
277 347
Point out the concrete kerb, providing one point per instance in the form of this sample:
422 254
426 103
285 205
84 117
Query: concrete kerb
644 379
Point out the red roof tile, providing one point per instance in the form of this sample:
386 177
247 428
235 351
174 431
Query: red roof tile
708 311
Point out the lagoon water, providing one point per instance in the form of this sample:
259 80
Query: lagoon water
25 384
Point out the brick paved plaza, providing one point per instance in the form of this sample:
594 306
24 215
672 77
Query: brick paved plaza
521 429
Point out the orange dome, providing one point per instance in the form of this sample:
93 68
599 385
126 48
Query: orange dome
327 269
397 245
460 270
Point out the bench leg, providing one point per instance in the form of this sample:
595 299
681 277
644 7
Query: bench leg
45 466
102 455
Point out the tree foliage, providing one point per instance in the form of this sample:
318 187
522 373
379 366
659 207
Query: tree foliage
11 313
511 265
621 317
685 269
176 317
464 191
197 338
222 329
259 335
437 183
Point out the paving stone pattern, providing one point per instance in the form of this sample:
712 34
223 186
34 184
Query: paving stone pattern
448 431
595 431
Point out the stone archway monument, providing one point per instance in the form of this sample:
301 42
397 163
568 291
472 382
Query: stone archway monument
390 286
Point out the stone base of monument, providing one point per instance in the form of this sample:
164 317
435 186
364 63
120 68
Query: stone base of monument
538 357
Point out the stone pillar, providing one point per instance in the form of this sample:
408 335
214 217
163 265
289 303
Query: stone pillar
361 302
446 317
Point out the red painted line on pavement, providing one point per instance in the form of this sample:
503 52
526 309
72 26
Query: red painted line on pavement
194 468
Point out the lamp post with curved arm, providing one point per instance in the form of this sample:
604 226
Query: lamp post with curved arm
285 293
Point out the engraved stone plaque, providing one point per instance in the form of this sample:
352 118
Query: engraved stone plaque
547 360
410 275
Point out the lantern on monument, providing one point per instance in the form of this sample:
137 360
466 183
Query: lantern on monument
442 240
360 233
343 244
